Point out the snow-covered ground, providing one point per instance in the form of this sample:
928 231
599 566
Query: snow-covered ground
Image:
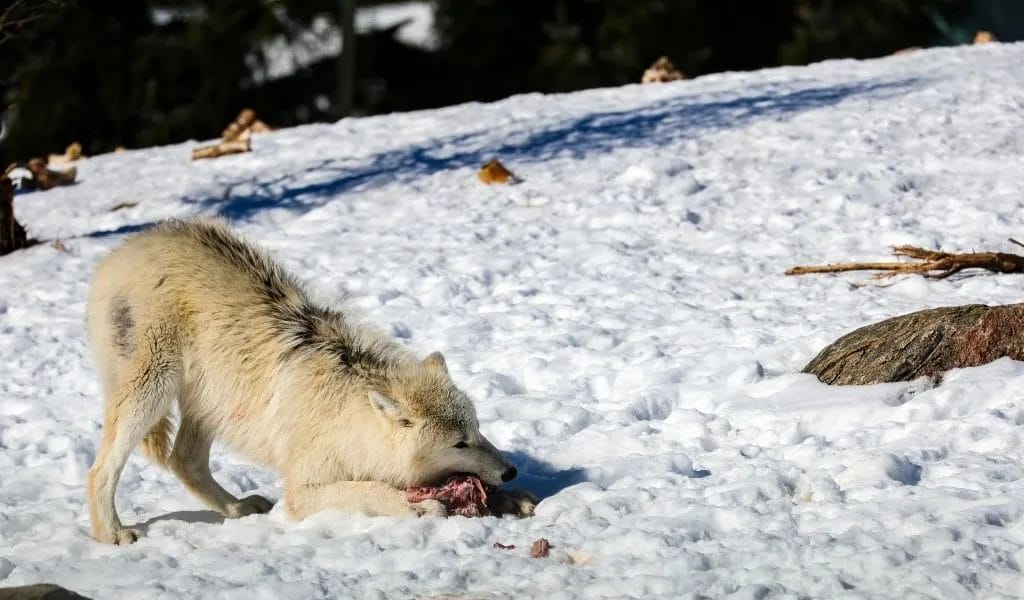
621 319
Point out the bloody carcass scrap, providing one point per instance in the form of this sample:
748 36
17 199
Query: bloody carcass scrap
461 495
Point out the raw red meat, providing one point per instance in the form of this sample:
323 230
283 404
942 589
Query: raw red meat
461 495
541 548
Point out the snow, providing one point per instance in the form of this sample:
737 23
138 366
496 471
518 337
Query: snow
621 319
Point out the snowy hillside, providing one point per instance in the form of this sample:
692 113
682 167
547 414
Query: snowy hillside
622 321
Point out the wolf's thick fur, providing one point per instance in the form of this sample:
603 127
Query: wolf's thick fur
189 315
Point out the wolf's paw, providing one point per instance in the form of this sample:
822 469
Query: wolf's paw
428 508
119 537
250 505
518 503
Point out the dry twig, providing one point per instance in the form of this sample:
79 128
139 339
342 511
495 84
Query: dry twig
933 264
123 205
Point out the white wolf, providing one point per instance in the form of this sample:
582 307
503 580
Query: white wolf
188 314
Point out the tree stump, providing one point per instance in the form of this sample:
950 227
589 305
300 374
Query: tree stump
922 344
12 234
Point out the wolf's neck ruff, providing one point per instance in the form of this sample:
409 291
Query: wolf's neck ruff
310 329
304 327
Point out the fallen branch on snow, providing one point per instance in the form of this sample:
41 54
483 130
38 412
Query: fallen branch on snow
934 264
244 125
220 149
235 138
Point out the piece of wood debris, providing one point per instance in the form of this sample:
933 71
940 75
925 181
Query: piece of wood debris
985 37
662 71
45 178
495 172
500 546
221 149
72 153
931 263
260 127
244 125
242 122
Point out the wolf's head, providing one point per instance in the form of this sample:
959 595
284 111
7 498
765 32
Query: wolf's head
435 423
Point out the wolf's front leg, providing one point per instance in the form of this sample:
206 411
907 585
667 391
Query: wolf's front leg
368 497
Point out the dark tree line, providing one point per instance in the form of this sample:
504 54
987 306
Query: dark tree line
143 72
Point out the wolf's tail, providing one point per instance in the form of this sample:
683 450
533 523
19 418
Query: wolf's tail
157 443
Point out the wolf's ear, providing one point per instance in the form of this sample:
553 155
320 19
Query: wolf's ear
388 408
435 362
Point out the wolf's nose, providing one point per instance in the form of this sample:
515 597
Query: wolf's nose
509 475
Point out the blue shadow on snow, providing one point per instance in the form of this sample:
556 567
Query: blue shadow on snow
541 478
659 123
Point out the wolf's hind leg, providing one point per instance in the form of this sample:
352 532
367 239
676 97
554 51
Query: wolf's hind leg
141 395
372 498
190 461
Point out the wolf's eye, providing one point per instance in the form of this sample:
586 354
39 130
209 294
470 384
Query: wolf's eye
461 445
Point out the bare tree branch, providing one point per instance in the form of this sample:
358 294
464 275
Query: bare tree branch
932 263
